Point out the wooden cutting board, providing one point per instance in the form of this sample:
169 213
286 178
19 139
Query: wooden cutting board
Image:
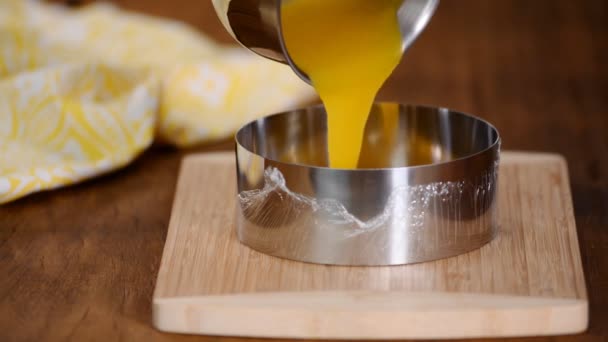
528 281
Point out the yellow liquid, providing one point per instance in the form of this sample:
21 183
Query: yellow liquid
348 48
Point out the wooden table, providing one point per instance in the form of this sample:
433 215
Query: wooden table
80 263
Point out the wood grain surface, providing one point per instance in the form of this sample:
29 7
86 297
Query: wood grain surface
535 253
80 263
527 281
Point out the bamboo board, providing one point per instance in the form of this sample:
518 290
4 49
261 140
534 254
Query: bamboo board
528 281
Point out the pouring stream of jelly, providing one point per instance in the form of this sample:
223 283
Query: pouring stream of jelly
348 48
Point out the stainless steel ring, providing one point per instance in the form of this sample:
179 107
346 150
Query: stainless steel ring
425 187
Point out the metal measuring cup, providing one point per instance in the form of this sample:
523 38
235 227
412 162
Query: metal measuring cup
256 24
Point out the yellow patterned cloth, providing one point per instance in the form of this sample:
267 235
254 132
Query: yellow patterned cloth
83 92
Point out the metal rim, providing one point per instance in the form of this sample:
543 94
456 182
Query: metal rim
495 144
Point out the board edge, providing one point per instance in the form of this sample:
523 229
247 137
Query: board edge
370 315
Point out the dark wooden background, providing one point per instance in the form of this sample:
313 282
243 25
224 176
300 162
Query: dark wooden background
80 263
